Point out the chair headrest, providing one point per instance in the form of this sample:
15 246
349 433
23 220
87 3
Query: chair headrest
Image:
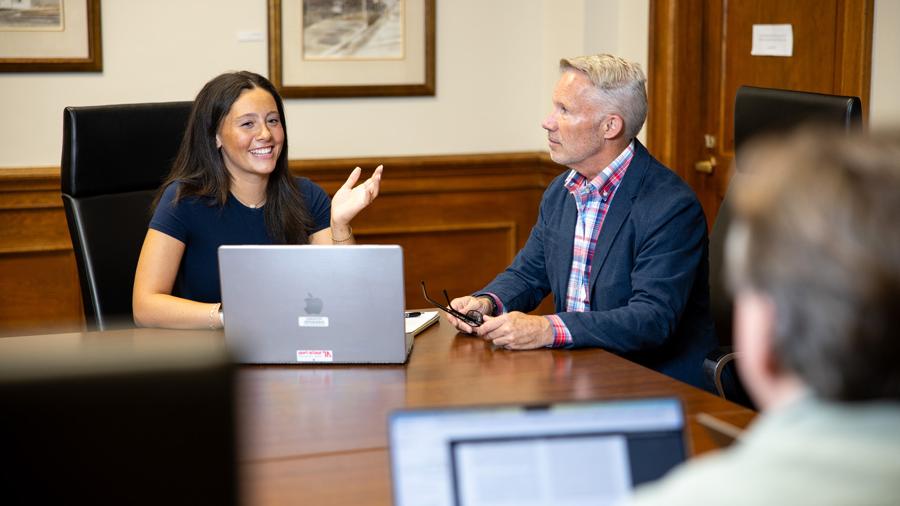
102 142
769 111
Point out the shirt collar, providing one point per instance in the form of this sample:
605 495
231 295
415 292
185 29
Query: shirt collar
575 180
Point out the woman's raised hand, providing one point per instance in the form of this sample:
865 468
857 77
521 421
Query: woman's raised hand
350 200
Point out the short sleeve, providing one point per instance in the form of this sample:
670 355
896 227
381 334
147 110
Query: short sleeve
317 203
168 218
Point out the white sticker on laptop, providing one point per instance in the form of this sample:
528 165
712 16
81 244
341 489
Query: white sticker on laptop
312 321
315 356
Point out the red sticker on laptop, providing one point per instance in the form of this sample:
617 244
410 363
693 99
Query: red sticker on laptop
315 356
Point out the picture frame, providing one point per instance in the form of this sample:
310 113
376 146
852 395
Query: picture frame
51 36
352 48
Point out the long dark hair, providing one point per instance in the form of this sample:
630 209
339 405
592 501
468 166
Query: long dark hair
201 172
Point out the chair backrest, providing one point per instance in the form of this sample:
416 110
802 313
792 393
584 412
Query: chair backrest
759 111
114 159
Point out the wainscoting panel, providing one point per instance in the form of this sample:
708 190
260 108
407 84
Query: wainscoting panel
459 218
39 293
456 258
38 278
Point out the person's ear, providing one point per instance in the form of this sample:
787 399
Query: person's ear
612 126
769 334
754 340
771 362
218 141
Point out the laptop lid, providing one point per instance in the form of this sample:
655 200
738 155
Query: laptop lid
562 454
117 420
314 304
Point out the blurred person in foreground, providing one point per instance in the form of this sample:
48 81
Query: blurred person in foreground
620 239
814 262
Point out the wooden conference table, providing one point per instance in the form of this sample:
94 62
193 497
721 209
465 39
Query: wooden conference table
318 434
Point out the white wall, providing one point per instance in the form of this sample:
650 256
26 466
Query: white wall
621 28
562 28
489 74
496 67
884 110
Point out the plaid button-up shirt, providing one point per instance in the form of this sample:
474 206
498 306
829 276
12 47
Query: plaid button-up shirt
592 199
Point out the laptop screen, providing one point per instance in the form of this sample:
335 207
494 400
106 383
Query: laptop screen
564 454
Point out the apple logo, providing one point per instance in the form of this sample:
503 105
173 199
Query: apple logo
313 304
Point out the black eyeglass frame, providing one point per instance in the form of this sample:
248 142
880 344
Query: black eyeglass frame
473 318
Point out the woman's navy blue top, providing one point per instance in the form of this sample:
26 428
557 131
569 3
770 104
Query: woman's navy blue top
203 226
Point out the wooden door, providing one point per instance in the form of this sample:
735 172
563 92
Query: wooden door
700 56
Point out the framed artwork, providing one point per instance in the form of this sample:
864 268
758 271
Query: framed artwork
50 36
352 48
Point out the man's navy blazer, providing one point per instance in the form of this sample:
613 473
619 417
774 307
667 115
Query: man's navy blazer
649 280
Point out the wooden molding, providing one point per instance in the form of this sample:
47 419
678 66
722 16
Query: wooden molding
853 66
673 94
28 187
30 211
416 174
42 174
528 168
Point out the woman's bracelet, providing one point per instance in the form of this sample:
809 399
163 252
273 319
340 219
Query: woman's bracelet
349 236
216 320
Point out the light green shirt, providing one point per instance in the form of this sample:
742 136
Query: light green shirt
810 452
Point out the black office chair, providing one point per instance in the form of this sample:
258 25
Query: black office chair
759 111
113 160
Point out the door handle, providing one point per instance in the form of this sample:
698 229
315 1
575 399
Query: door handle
706 166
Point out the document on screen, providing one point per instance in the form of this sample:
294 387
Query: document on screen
564 471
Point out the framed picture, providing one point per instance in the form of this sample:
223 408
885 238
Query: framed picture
352 48
50 36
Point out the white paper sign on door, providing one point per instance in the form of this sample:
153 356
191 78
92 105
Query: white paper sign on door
773 40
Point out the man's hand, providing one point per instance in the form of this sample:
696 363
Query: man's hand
517 331
464 305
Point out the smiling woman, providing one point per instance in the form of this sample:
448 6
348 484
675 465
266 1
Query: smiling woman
230 184
251 139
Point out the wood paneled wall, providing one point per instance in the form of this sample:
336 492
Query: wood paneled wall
38 278
460 220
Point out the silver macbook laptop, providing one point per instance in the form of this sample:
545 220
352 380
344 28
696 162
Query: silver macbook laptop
564 454
314 304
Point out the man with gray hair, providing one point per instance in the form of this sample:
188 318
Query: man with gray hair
813 257
620 239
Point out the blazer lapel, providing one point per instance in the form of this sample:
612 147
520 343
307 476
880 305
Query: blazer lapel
619 209
564 268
